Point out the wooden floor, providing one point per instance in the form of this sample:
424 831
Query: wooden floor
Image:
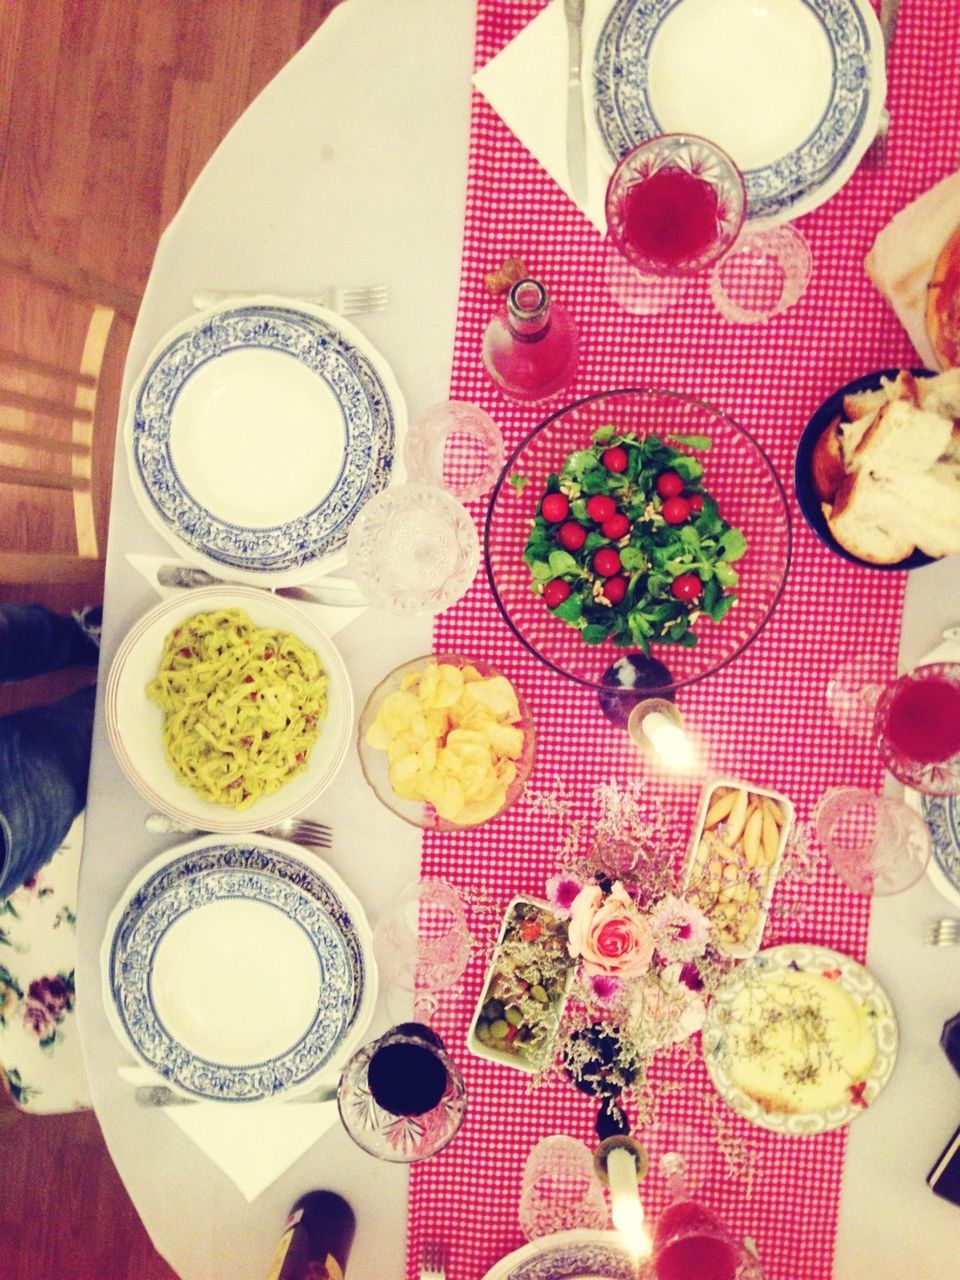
108 111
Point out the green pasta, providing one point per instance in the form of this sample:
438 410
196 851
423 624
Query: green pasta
242 705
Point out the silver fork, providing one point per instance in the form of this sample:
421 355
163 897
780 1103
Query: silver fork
433 1261
942 933
345 300
314 835
876 153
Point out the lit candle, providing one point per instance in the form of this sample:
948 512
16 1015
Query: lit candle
669 740
628 1216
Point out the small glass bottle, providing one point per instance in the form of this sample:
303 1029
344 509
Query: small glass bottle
316 1241
530 345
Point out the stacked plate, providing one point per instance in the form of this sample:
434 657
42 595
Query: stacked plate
792 92
257 432
236 970
569 1255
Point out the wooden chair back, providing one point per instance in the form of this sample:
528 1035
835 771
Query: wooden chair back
50 408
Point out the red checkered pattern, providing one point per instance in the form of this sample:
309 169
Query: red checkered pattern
764 717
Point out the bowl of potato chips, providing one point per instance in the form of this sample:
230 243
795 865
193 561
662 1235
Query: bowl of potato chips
446 742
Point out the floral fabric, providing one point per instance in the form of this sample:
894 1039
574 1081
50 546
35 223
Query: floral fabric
41 1065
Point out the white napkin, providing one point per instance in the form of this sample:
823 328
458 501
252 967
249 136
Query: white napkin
332 618
526 84
253 1143
901 260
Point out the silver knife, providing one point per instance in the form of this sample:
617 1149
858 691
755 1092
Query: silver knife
335 591
576 132
158 1095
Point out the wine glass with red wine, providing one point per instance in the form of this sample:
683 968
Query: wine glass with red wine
401 1098
917 728
675 204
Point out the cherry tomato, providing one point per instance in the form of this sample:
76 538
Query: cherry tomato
606 562
531 930
555 508
616 527
601 508
615 459
669 484
555 592
572 536
687 587
615 588
696 501
676 510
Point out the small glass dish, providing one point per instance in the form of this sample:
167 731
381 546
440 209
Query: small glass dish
765 273
375 762
413 549
455 446
401 1098
674 205
876 844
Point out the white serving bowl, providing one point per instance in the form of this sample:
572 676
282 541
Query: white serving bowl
135 723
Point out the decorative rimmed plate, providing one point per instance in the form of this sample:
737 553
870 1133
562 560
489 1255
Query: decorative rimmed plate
256 433
135 723
568 1255
726 1010
807 496
238 970
792 92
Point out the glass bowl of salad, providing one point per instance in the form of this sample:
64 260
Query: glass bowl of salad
639 525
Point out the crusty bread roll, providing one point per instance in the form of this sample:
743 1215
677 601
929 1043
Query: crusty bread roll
865 520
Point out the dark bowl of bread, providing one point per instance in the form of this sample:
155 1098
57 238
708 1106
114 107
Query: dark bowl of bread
877 471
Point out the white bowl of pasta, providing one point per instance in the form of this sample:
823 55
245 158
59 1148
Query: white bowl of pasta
229 708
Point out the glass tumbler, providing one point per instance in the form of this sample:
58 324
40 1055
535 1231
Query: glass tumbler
422 942
560 1190
401 1098
876 844
413 549
454 446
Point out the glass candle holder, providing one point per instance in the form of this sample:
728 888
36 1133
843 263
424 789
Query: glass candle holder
401 1098
454 446
674 205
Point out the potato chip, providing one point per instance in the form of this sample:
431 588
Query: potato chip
451 740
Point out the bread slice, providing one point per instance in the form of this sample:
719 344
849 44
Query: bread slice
941 393
932 516
868 403
827 469
901 440
866 520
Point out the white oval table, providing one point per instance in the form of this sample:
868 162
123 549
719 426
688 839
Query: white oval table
351 168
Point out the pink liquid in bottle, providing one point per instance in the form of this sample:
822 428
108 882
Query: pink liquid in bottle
530 346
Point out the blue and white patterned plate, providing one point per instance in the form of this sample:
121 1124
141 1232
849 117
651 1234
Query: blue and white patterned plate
237 970
256 433
569 1255
792 91
942 816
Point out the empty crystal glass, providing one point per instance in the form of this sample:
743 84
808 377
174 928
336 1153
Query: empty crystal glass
413 549
560 1189
454 446
876 844
764 273
422 942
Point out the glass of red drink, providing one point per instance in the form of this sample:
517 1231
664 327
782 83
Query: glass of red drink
675 204
691 1243
917 728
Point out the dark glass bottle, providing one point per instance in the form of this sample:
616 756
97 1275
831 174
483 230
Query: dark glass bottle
316 1241
530 345
950 1041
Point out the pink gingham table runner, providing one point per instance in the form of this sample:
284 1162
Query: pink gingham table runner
764 717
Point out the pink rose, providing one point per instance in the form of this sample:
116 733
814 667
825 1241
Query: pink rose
609 933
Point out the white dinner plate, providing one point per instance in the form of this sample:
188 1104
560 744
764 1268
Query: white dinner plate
135 723
568 1255
256 433
792 90
236 970
856 980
